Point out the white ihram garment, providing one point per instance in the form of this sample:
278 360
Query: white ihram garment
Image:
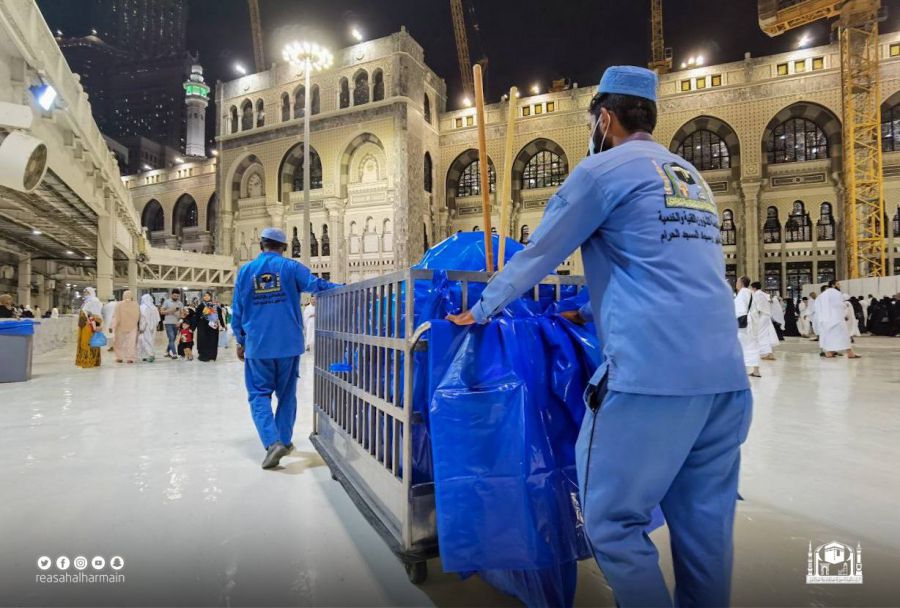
747 335
766 337
830 323
850 318
803 325
309 325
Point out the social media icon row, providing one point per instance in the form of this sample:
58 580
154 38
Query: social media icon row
80 563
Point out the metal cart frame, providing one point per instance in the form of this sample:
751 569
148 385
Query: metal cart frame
361 422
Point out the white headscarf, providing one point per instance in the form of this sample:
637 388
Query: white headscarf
54 314
91 302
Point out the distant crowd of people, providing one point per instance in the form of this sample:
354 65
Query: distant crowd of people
10 310
830 317
194 330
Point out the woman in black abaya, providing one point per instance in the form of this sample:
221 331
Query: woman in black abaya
209 321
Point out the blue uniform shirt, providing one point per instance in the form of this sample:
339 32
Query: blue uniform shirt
266 317
649 235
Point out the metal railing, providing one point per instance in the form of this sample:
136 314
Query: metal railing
363 391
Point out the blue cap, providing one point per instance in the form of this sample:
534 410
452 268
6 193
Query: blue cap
274 234
629 80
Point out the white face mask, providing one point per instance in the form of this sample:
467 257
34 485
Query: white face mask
591 148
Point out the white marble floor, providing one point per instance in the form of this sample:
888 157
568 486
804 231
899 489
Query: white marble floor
159 463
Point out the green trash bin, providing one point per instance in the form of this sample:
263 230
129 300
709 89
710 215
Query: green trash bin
16 349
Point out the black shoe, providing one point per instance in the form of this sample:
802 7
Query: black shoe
274 454
289 447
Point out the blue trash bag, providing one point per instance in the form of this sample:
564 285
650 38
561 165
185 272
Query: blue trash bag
504 420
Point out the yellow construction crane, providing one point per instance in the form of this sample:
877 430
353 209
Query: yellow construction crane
857 27
462 46
660 56
259 57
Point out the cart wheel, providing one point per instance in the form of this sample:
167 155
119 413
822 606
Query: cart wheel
417 572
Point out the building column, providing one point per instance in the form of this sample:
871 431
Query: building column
42 293
24 273
225 238
751 265
133 278
409 208
339 244
841 225
105 249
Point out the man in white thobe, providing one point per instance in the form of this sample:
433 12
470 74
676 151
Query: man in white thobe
831 323
761 308
778 316
850 318
309 323
803 325
747 335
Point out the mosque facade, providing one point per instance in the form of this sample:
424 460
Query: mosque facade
393 171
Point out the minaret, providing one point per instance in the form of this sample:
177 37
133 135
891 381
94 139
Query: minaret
196 97
809 561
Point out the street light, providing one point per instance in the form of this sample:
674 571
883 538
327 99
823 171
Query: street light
240 69
535 89
467 102
309 57
357 35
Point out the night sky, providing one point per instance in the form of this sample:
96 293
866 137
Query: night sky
525 41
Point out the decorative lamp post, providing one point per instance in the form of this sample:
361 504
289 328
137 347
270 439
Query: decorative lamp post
309 57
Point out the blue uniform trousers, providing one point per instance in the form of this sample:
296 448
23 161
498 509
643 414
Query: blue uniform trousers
683 453
264 377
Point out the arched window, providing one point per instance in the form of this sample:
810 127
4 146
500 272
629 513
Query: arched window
728 231
153 218
469 183
313 243
314 101
285 107
772 227
798 228
299 101
260 113
544 169
184 215
797 140
326 242
234 119
427 172
344 94
191 215
825 225
246 116
890 129
315 172
361 88
212 213
377 85
524 234
896 222
426 108
705 150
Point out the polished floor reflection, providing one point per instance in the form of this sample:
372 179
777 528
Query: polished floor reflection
159 464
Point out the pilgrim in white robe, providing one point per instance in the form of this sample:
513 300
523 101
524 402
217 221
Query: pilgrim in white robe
747 335
830 322
850 318
309 325
803 324
147 327
778 311
766 337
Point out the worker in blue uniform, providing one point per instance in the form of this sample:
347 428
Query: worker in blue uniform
670 406
268 327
